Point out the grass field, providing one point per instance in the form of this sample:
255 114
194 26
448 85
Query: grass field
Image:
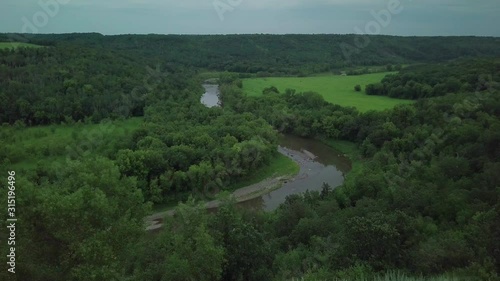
6 45
25 147
334 88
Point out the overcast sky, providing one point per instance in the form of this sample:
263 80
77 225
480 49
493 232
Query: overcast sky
417 17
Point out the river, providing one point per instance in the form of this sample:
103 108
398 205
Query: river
318 162
211 96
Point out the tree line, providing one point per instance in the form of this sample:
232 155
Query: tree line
277 55
40 86
432 80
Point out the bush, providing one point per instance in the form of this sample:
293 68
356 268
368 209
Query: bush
270 90
357 88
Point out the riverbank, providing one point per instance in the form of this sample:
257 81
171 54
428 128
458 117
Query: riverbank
349 149
155 221
278 166
249 192
317 164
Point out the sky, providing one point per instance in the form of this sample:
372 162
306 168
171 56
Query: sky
390 17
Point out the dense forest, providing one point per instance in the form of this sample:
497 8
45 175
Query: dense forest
185 147
422 199
40 86
276 54
432 80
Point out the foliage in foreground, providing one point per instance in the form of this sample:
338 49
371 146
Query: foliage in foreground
78 224
424 202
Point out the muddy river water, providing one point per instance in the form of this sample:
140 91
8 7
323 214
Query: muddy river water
318 164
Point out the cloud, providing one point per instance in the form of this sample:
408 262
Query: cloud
419 17
203 4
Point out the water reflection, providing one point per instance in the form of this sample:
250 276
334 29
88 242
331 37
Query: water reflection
319 164
211 96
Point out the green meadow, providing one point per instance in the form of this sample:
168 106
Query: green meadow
334 88
8 45
26 147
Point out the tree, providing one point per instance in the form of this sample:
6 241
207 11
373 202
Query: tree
372 239
184 250
357 88
82 223
247 252
270 90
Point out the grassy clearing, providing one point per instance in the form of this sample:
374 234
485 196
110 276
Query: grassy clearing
334 88
26 147
280 165
352 152
13 45
348 148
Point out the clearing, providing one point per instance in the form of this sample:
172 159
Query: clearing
25 147
336 89
7 45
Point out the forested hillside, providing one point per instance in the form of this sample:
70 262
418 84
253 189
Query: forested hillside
421 201
278 54
40 86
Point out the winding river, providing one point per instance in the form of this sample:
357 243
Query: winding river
318 162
